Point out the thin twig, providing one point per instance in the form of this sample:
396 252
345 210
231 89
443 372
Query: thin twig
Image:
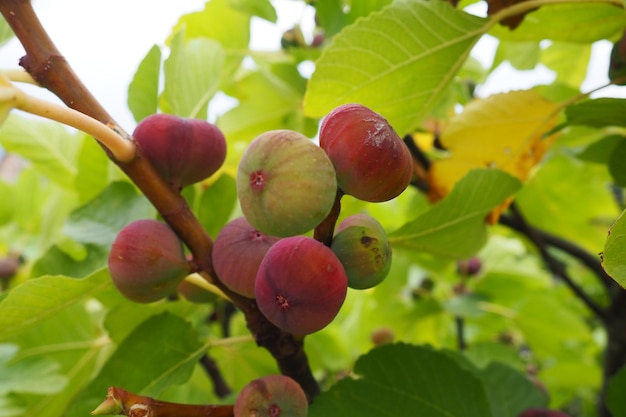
555 266
220 386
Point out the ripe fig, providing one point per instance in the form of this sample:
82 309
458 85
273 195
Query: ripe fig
286 184
300 285
237 253
182 150
271 396
361 244
147 261
372 162
469 267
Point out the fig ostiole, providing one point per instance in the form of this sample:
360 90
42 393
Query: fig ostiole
372 162
237 253
271 396
362 246
286 184
147 261
182 150
300 285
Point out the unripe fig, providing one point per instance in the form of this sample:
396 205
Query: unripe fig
194 293
237 253
300 285
271 396
361 244
372 162
182 150
286 184
147 261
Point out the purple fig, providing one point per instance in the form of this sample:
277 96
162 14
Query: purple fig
372 162
237 253
147 261
182 150
300 285
271 396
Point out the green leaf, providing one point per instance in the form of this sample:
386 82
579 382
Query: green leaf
143 91
98 221
192 76
614 253
40 298
94 167
521 55
216 204
569 60
146 362
404 380
455 227
56 261
18 377
509 391
615 400
48 145
260 8
567 22
616 164
12 406
600 112
601 150
332 15
6 33
398 61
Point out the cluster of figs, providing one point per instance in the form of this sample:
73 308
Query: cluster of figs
287 186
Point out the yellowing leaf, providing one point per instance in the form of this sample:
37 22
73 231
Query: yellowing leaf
504 131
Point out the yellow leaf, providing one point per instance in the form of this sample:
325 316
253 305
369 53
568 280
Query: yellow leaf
504 131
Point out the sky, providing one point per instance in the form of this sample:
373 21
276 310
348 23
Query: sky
120 32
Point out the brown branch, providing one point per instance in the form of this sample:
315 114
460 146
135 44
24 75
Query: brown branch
50 69
325 230
120 401
517 222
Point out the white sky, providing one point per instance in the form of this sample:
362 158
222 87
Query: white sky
104 42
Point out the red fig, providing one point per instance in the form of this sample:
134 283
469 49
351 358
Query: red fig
147 261
237 253
372 162
361 244
286 184
300 285
182 150
271 396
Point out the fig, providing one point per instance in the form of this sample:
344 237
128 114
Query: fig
147 261
300 285
469 267
271 396
361 244
238 251
286 184
372 162
182 150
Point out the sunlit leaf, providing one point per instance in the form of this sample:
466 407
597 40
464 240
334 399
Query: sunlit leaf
614 253
456 226
39 298
569 60
12 406
403 380
192 76
94 170
48 145
568 22
260 8
145 362
143 91
398 61
19 376
333 16
521 55
503 131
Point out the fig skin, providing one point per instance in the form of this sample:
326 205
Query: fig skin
373 164
147 261
271 396
301 285
182 150
286 184
361 244
238 251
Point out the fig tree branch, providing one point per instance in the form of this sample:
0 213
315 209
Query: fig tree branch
556 267
48 68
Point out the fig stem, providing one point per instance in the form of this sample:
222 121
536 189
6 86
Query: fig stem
199 281
120 401
123 150
325 230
